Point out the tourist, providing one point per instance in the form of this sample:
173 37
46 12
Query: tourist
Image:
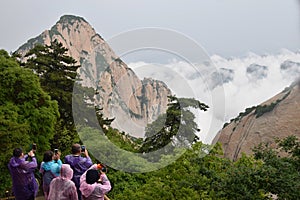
62 188
78 163
94 183
21 168
50 169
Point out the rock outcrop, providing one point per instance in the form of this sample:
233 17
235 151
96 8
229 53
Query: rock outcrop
133 102
278 117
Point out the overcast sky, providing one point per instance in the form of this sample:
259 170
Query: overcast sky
224 27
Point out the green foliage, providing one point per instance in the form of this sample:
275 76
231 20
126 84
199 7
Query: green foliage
177 126
123 141
260 110
27 114
179 180
281 173
57 73
202 173
64 138
114 153
242 180
290 145
241 115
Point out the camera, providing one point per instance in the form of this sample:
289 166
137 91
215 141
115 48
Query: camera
82 148
55 151
101 167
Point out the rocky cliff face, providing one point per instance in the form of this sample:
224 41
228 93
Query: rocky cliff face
133 102
277 117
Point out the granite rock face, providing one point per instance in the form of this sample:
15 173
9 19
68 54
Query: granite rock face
278 117
133 102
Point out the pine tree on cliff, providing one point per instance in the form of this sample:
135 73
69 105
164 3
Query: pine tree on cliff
57 73
176 126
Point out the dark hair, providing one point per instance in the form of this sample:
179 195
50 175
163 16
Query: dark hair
92 176
76 148
17 152
48 156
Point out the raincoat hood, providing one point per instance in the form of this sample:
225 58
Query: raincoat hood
66 171
62 188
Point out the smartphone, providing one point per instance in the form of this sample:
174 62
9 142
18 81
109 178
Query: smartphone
82 148
55 151
33 146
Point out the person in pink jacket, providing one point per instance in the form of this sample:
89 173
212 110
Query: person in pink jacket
62 188
94 184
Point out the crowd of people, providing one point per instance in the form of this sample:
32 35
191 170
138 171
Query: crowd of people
77 178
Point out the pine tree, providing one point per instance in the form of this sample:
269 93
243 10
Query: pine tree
176 126
57 73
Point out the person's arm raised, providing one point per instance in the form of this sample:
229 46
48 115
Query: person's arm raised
88 162
30 165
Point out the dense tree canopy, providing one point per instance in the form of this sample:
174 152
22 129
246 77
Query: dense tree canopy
57 73
202 175
27 113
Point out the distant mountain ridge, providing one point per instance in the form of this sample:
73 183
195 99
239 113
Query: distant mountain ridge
278 117
133 102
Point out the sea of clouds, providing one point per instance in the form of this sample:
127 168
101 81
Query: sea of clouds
227 85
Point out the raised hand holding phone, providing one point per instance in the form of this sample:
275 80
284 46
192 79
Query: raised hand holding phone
84 151
33 147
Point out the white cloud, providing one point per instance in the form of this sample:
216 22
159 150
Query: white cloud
235 95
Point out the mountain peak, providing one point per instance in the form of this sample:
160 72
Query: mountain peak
75 33
72 23
132 102
71 19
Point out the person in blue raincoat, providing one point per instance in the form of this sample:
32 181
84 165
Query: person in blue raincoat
50 169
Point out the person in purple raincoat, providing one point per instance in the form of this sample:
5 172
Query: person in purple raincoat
21 170
79 164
